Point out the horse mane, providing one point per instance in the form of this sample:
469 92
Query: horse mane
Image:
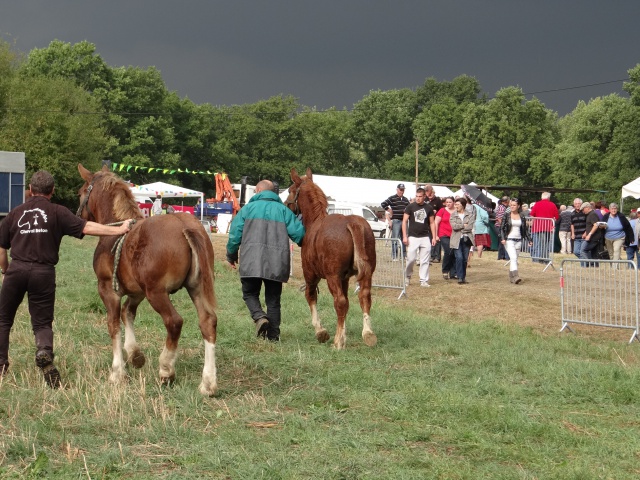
313 200
124 204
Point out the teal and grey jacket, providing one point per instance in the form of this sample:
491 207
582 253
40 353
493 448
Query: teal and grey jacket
261 231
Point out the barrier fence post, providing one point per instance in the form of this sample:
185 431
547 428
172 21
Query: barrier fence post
389 272
604 294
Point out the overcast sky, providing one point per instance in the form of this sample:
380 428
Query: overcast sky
332 53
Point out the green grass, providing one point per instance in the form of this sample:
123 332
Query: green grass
432 400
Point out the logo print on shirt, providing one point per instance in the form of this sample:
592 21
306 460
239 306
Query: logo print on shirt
32 218
420 215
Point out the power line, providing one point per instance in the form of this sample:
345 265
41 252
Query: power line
578 87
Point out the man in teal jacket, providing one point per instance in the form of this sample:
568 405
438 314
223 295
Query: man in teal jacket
261 231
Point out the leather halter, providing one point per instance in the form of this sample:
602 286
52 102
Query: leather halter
295 202
85 202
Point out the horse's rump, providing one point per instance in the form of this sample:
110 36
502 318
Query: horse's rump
168 252
340 242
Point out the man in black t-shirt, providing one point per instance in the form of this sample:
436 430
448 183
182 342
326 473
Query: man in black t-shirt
419 235
33 231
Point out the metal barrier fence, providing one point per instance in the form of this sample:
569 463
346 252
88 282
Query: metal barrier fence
389 272
603 294
542 232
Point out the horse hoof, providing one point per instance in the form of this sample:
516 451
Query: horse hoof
138 359
322 336
117 378
208 389
370 339
167 381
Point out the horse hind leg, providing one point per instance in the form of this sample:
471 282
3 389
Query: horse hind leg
173 322
208 321
364 295
311 294
339 288
134 355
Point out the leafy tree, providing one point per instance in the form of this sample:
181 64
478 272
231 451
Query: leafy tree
599 147
78 62
381 128
506 141
9 61
324 144
47 119
633 87
460 90
265 138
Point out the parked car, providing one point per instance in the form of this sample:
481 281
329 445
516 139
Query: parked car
345 208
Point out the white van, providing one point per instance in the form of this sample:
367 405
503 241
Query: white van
378 227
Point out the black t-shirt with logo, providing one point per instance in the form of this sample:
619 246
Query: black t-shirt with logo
419 219
33 231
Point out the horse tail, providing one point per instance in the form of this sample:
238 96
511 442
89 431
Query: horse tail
202 265
364 249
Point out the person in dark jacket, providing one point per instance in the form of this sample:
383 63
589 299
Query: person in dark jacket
260 232
513 231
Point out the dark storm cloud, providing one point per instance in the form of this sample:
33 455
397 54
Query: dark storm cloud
333 53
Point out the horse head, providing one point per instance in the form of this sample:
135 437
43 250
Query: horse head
306 198
105 197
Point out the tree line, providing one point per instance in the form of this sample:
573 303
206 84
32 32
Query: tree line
63 105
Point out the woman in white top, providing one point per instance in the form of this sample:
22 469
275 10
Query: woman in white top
512 232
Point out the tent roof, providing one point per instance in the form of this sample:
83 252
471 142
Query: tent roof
632 189
366 191
164 190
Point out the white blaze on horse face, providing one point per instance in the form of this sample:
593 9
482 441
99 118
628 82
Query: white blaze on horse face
209 384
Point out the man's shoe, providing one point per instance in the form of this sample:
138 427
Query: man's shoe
425 284
44 360
262 324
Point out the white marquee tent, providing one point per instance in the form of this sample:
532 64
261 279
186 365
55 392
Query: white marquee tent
632 189
365 191
165 190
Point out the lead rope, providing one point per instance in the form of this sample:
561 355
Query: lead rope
117 249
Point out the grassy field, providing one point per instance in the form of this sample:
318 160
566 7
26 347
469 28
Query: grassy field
465 383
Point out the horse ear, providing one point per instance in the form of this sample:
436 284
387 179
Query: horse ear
84 173
309 174
105 168
294 177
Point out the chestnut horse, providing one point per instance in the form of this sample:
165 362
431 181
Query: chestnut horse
335 247
159 256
